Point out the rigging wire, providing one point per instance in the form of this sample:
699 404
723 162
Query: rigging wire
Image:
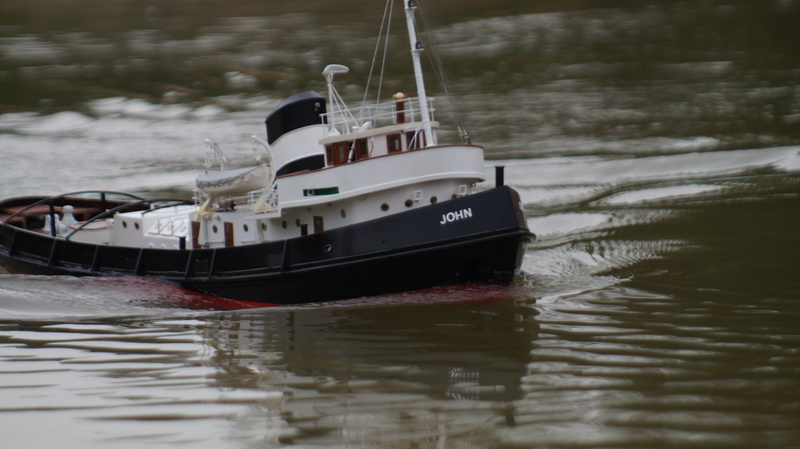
441 74
387 23
432 55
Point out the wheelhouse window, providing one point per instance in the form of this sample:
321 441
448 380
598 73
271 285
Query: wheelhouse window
394 143
337 153
360 149
415 139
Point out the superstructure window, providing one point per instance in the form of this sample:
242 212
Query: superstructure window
394 143
415 139
360 149
337 153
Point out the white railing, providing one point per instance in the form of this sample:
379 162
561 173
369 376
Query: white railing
264 200
374 116
259 201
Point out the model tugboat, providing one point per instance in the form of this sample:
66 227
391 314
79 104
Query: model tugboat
340 203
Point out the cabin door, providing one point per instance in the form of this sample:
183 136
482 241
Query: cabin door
318 224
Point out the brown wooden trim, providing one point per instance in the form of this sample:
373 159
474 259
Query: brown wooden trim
319 224
195 234
228 234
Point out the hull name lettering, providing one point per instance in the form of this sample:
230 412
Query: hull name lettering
456 215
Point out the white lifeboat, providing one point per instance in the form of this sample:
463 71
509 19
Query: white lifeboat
236 181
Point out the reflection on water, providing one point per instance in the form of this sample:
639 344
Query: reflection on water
381 376
607 367
348 374
656 149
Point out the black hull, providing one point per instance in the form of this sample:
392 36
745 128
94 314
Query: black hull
480 237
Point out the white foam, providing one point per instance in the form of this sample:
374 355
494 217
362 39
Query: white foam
660 193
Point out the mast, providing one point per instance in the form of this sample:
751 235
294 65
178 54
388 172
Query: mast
416 49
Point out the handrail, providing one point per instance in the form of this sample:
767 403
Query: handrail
49 200
379 114
122 207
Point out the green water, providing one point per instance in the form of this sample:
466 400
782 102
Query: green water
656 149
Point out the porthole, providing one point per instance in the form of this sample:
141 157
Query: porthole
434 200
284 224
136 225
384 207
214 229
409 203
124 224
263 226
245 227
344 213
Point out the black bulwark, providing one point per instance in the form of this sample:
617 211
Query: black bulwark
479 237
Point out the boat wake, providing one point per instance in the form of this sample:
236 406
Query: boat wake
606 219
